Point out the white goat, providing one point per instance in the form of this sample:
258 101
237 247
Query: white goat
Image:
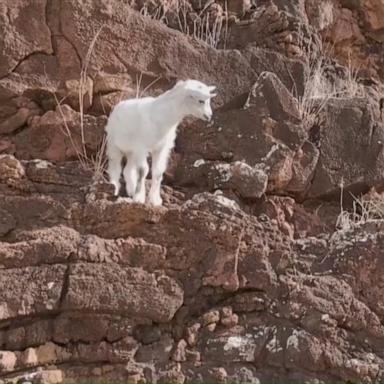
139 127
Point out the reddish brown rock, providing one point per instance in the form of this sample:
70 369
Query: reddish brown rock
179 353
24 32
16 121
106 306
7 361
122 290
260 139
373 15
252 271
239 6
38 291
10 168
351 149
166 53
58 136
6 146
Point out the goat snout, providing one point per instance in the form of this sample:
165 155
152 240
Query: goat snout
207 117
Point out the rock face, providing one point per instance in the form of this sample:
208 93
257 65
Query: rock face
265 262
196 289
24 33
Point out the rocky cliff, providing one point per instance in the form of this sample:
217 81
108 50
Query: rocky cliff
265 263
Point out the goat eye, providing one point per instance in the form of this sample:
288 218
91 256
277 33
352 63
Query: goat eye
201 101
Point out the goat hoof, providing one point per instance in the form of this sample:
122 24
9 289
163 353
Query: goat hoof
116 189
140 198
156 201
121 199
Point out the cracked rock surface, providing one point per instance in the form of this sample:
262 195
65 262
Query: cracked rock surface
198 288
253 271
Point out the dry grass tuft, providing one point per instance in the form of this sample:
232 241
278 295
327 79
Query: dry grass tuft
82 86
365 209
209 27
94 163
139 79
326 16
319 89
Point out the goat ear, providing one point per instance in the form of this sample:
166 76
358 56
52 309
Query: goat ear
212 88
212 95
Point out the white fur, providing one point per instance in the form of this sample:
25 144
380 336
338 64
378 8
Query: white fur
139 127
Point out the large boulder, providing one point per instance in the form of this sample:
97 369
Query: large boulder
264 139
23 31
60 135
373 16
350 140
194 289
